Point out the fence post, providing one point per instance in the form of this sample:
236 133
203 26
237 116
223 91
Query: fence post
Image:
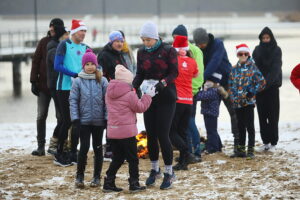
17 82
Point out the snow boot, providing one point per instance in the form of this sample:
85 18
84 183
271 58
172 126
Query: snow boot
40 151
52 146
182 162
79 181
110 186
134 185
98 160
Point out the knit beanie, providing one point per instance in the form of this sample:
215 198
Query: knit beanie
123 74
180 30
115 35
200 36
89 56
149 30
242 47
56 22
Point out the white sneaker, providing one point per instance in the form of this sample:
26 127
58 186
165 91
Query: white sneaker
264 147
272 148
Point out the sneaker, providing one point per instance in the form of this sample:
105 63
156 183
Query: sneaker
152 177
264 147
250 156
79 181
167 182
107 156
272 148
62 160
95 182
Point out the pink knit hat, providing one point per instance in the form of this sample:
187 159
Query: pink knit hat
123 74
89 56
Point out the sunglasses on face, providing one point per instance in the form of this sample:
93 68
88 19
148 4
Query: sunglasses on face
243 54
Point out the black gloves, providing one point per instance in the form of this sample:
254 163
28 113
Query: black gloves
159 87
75 76
34 89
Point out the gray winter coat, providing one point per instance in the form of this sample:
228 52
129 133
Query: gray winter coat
87 100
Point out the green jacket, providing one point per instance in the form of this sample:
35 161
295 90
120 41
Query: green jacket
198 56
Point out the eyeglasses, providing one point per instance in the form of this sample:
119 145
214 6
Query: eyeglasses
243 54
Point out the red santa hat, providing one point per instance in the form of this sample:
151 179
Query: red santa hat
242 48
77 25
181 42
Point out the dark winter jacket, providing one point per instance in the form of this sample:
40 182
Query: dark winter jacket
210 101
108 59
216 61
39 66
267 58
245 81
159 64
51 73
87 100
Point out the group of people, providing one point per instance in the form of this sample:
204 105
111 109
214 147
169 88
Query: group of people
93 93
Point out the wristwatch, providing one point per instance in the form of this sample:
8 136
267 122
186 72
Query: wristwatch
163 81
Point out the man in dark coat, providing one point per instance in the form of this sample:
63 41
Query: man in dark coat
217 69
267 56
38 79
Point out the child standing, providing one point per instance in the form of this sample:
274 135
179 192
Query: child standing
87 107
122 106
210 98
187 68
245 81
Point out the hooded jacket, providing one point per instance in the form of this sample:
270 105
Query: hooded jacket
87 100
122 105
267 58
52 75
109 58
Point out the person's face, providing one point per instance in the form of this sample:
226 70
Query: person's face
117 45
266 38
51 30
148 42
89 68
79 36
243 56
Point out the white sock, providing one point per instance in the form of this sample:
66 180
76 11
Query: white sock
168 169
155 165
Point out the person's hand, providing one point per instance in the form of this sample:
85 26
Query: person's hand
151 91
34 89
159 87
75 76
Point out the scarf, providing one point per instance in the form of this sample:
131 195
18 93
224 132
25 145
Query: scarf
154 47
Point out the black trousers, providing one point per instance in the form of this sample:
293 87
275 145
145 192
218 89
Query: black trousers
178 133
124 149
268 106
245 116
57 113
85 135
64 107
43 101
158 120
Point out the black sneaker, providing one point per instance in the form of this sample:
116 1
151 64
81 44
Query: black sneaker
79 181
62 160
180 166
167 182
152 177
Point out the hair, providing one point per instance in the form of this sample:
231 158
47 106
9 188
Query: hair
99 75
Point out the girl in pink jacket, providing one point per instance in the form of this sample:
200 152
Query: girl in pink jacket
122 105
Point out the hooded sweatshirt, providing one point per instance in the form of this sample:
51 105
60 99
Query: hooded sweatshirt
122 105
267 58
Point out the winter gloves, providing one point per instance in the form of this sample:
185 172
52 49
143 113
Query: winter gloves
159 87
34 89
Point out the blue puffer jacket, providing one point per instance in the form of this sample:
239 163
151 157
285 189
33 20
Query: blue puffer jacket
216 62
87 100
210 101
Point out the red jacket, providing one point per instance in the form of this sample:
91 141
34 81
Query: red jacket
39 65
295 76
122 105
187 68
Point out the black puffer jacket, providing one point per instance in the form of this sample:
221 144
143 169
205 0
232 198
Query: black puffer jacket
267 57
51 73
108 59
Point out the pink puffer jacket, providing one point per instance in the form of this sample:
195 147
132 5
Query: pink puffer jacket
122 105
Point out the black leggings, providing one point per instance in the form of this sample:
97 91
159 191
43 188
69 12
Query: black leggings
124 149
245 116
268 106
158 119
178 133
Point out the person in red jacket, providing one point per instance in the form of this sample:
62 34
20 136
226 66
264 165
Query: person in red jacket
295 77
187 68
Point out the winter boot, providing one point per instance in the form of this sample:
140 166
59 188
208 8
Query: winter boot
40 151
52 146
80 171
182 162
250 153
97 171
241 152
134 185
110 186
192 159
79 181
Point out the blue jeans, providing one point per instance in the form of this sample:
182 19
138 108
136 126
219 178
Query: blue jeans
193 133
213 143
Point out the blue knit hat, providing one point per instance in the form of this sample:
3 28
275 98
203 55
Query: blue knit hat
180 30
115 35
